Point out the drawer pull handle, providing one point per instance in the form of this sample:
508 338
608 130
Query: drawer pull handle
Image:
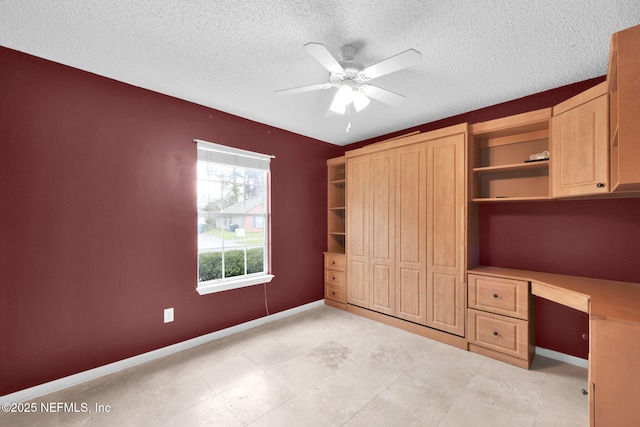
495 334
495 295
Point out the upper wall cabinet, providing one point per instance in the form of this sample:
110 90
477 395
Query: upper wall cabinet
624 86
502 163
580 144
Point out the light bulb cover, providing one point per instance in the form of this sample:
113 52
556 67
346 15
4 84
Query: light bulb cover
344 95
360 101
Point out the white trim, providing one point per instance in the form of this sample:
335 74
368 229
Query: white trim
212 286
561 357
71 380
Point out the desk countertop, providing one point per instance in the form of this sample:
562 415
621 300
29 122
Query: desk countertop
605 298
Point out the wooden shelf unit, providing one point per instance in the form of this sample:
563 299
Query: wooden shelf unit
335 280
499 149
336 205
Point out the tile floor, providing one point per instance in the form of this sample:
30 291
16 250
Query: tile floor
326 367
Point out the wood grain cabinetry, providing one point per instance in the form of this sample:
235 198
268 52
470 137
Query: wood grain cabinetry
624 88
615 372
500 156
500 322
334 259
447 233
335 279
406 222
411 233
614 332
580 144
382 219
336 205
357 248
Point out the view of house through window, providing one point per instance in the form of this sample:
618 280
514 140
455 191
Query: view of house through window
232 214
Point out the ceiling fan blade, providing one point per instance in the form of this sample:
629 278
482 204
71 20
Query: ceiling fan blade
324 57
398 62
303 89
383 95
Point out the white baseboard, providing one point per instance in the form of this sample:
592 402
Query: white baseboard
91 374
561 357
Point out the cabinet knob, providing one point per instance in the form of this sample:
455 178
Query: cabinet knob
495 334
495 295
333 293
333 278
333 263
600 185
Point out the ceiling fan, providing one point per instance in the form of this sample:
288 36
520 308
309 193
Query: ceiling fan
352 79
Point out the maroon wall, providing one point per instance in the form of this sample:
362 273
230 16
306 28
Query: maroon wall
598 238
98 220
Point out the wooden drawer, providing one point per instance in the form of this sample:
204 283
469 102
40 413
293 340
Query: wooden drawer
335 293
335 262
498 295
335 278
499 333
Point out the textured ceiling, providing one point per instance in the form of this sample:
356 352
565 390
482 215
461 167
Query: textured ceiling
233 55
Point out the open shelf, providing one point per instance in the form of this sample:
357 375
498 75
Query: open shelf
499 152
336 205
542 164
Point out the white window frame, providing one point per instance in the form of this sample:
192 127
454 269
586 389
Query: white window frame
250 160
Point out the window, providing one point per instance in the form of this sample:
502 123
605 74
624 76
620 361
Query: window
233 218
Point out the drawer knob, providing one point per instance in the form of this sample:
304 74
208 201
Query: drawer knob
495 295
600 185
495 334
333 263
333 278
333 293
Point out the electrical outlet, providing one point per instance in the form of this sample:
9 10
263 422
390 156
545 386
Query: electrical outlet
168 315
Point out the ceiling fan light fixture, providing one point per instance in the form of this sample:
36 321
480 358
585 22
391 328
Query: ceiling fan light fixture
337 106
345 94
360 101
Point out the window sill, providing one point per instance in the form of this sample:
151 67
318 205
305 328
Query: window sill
205 288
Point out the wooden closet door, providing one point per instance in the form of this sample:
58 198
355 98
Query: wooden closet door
411 245
357 249
446 239
382 214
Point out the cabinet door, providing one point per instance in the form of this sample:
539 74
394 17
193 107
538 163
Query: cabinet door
382 214
580 151
411 245
446 238
358 231
615 372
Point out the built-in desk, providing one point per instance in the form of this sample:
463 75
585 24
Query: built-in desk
614 337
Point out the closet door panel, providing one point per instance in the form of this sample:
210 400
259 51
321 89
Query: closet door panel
382 220
411 163
446 228
358 231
